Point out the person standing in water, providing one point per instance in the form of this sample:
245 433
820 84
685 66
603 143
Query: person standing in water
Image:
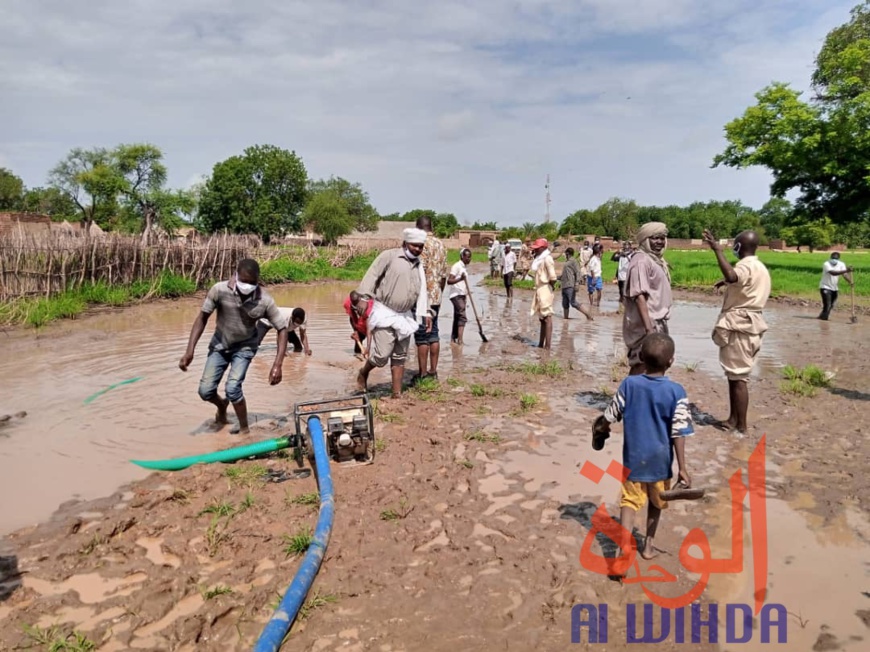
459 295
544 272
240 303
568 281
832 270
648 295
740 327
508 270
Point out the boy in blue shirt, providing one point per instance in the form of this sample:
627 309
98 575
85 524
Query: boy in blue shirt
655 411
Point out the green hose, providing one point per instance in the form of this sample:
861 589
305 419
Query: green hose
93 397
228 455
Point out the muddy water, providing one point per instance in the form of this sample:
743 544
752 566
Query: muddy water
66 449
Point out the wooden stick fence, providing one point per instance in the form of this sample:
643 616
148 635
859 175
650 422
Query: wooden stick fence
46 265
42 266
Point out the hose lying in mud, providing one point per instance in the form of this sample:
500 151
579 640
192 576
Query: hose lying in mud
129 381
229 455
276 629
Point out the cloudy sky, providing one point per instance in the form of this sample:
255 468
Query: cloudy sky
458 106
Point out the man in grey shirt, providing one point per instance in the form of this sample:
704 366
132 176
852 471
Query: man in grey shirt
570 278
396 280
240 303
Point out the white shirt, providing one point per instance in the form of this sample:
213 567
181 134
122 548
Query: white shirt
829 281
622 270
458 289
593 267
494 249
510 262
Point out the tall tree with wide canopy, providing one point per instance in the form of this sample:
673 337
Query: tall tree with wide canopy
262 191
91 180
819 148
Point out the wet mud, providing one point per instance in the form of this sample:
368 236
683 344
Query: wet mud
466 531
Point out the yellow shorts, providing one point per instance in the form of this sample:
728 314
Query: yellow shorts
634 494
737 352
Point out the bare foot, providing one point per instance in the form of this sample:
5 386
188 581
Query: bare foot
238 430
649 551
220 417
361 384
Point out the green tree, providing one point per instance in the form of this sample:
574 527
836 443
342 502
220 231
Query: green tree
143 189
445 225
363 215
11 190
774 216
326 213
821 147
616 218
91 180
813 234
261 191
412 215
484 226
49 201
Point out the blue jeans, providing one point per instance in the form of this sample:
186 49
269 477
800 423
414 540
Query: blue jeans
216 364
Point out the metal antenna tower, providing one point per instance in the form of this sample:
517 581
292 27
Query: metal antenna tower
547 220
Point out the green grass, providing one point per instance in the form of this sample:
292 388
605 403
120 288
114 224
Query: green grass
482 437
215 591
528 402
316 602
219 508
246 475
803 381
552 368
292 269
310 499
479 256
397 514
55 640
792 274
297 544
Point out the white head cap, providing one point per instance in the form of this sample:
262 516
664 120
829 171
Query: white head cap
414 236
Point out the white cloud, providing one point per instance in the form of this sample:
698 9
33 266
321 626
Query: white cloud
459 106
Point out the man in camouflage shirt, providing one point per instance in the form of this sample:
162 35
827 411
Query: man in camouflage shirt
434 259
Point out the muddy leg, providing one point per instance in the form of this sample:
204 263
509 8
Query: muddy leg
461 332
362 378
543 336
738 392
434 353
397 372
626 519
241 409
220 416
547 328
652 523
422 359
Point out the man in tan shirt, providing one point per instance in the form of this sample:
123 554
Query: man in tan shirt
396 281
740 326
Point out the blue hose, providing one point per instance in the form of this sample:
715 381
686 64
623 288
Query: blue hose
276 629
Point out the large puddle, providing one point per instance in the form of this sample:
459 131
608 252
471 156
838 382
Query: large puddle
66 448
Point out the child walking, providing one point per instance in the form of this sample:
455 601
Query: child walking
655 412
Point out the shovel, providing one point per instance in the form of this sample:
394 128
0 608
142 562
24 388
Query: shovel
471 300
853 319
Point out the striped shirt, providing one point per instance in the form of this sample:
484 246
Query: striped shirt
236 318
655 410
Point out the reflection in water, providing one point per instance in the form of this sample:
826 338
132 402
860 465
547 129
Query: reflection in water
65 449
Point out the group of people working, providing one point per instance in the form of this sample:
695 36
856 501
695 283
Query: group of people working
401 294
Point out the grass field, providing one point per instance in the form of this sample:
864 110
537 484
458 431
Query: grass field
792 274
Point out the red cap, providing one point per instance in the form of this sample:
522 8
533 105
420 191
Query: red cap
540 243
